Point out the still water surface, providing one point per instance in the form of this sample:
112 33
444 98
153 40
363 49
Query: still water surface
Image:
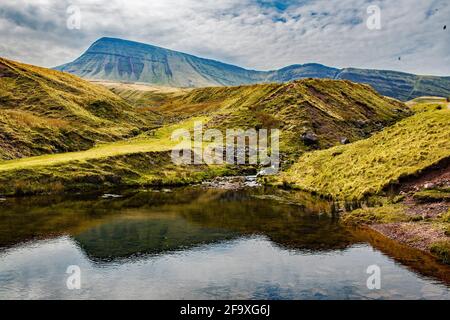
201 244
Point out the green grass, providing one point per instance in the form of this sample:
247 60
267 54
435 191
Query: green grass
446 217
384 214
441 250
144 96
366 167
45 111
138 162
432 195
331 110
134 170
428 104
86 116
158 141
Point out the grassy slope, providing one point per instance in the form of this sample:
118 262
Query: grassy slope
329 109
366 167
342 106
144 96
429 104
45 111
140 161
160 141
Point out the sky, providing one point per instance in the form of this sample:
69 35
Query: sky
255 34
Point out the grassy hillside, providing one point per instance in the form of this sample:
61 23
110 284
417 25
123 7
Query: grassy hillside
366 167
326 110
143 96
428 103
45 111
158 141
137 162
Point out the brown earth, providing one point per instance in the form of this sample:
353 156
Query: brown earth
430 228
417 235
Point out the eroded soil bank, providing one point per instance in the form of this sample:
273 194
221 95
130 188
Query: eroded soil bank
420 213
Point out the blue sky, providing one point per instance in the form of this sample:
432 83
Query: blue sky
279 5
256 34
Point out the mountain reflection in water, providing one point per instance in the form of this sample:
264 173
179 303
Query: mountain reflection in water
149 226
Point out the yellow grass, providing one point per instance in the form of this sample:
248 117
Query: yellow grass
161 141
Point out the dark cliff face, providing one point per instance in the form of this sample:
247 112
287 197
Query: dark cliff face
128 61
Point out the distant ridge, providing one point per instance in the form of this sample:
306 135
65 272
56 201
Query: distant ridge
122 60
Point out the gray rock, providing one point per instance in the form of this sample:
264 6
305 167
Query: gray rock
310 139
345 140
361 123
268 171
429 185
111 196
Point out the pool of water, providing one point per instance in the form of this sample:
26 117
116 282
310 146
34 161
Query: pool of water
194 243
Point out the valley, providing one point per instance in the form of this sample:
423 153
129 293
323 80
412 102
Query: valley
340 140
268 153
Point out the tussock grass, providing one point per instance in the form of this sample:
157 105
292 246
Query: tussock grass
441 250
366 167
46 111
422 104
330 109
138 162
158 141
384 214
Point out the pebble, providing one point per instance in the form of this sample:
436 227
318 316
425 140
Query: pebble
111 196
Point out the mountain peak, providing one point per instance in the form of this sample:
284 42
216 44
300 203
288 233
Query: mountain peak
122 60
117 43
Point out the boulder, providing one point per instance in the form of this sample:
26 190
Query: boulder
429 185
309 139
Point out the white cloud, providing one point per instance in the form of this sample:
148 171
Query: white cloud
242 32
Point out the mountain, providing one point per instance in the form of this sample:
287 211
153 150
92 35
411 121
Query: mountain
46 111
121 60
128 61
399 85
298 71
